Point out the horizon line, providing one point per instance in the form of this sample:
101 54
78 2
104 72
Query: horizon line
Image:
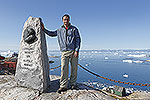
89 49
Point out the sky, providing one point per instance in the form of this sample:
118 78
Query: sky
103 24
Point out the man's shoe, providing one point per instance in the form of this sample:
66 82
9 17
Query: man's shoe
74 87
61 90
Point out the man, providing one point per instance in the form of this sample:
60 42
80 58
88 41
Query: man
69 42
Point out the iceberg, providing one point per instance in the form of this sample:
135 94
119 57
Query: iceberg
86 64
125 75
141 55
138 61
129 61
105 58
133 61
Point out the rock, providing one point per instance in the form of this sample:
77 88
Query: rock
140 96
18 93
10 91
84 92
32 69
76 95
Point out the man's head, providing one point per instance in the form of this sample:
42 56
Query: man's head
66 19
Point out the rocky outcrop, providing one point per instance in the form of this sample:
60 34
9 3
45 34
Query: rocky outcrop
140 96
76 95
10 91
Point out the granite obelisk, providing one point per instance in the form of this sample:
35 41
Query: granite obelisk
32 69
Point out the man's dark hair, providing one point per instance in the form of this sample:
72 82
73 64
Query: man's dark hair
66 15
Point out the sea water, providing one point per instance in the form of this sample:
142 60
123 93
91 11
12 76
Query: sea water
113 64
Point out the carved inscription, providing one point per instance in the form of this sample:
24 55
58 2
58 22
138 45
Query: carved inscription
27 60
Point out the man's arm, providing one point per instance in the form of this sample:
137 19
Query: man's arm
77 42
50 33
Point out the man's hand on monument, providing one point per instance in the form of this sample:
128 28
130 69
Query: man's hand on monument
42 26
76 54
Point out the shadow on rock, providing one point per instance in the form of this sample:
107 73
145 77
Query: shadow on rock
55 84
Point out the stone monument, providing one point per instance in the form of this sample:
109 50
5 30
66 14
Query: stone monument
32 69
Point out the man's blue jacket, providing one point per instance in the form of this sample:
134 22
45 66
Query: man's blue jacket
68 39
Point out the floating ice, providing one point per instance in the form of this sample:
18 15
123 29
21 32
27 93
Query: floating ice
147 60
125 75
86 64
129 61
105 58
116 53
133 61
94 83
141 55
138 61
